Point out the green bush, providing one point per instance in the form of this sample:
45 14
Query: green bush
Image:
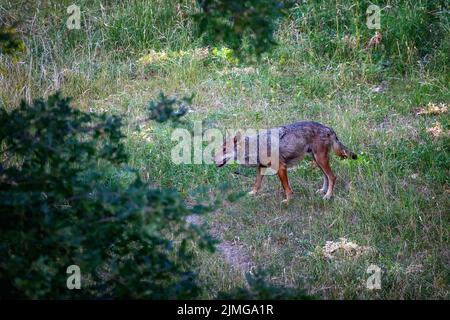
129 242
10 43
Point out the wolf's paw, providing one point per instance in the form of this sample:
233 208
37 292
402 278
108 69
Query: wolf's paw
252 193
327 197
320 191
288 199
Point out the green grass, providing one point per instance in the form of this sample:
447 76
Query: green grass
394 199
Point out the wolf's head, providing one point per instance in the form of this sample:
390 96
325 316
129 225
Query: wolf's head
228 150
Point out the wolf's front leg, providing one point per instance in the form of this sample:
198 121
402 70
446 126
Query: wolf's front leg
324 185
258 182
282 174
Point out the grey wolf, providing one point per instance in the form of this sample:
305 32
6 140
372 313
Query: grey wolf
294 142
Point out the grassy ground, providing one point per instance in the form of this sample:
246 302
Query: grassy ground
395 198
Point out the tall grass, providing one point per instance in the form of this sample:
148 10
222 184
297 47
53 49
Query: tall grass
338 32
137 26
97 58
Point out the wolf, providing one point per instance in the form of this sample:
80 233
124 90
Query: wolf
292 143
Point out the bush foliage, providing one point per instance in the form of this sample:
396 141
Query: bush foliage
56 211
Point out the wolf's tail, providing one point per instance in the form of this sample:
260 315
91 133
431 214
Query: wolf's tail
341 150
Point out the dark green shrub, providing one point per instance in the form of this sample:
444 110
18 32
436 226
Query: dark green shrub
129 242
10 42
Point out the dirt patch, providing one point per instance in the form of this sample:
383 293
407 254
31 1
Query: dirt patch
194 219
396 122
235 256
233 252
414 268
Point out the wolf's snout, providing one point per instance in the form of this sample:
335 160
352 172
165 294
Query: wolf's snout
219 162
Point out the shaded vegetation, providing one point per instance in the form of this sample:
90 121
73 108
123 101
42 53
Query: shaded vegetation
57 209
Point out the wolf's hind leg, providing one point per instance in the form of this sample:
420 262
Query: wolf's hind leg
258 182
